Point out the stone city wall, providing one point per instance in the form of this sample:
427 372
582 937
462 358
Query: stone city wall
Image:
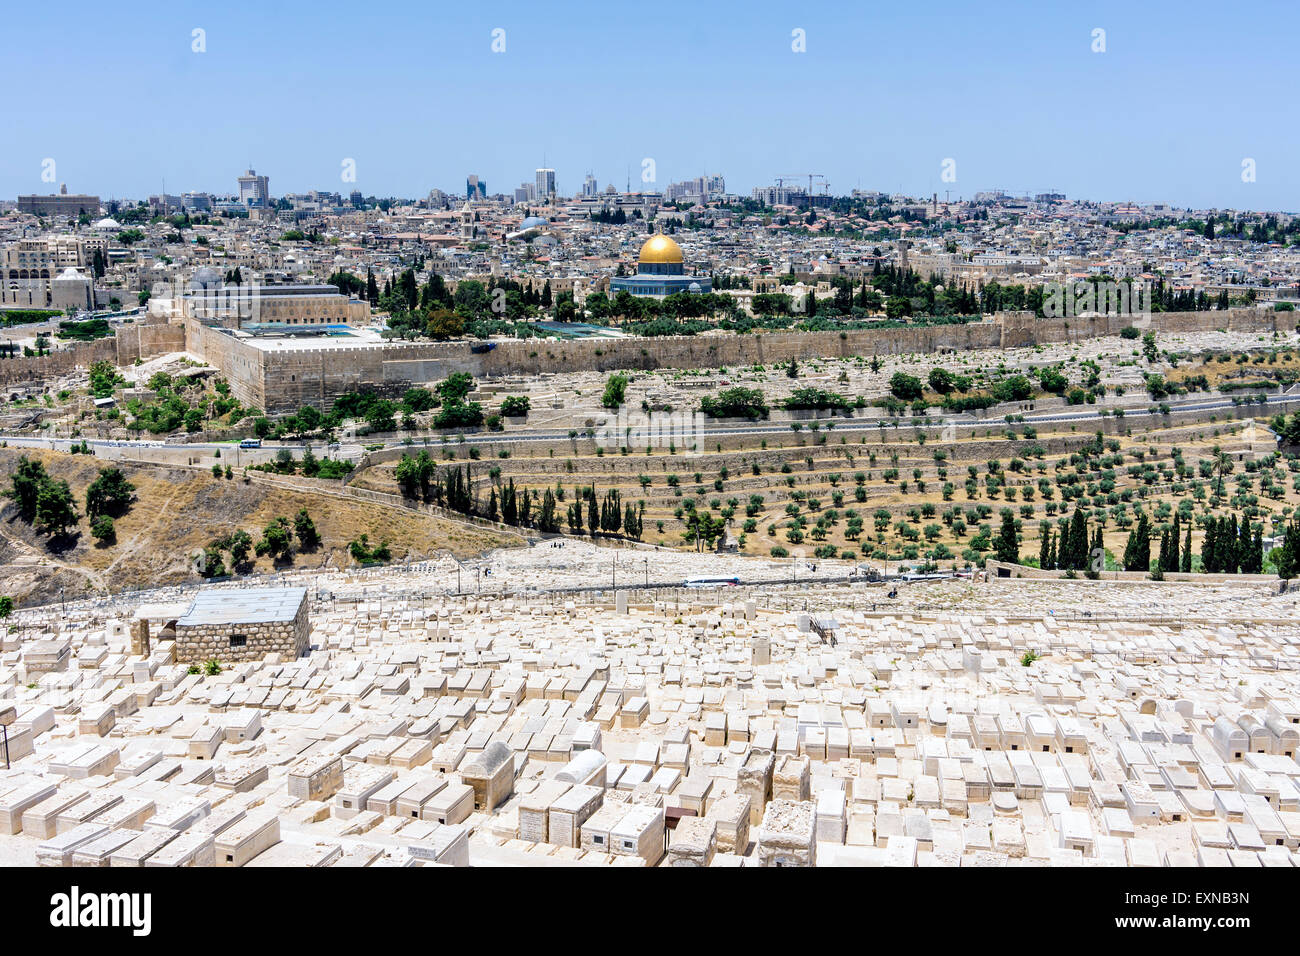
282 381
137 340
317 376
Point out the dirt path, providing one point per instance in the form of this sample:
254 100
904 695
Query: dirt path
39 558
133 544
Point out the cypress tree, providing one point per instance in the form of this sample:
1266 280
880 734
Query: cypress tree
1137 556
1175 539
1288 562
1186 565
1078 541
1007 543
1097 553
1244 547
509 504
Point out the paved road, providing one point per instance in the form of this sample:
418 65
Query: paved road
354 449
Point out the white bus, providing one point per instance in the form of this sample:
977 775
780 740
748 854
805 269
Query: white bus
712 582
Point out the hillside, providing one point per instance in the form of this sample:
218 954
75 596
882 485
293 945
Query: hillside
177 511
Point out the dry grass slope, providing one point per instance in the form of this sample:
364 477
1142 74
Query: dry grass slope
178 511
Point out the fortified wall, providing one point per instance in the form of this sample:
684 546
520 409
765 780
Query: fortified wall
1020 329
138 340
283 380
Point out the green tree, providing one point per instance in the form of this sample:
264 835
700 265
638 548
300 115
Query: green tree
1137 552
1078 542
277 540
56 509
941 380
102 530
1288 563
28 479
1149 347
305 530
1007 543
455 387
240 545
380 416
615 390
109 494
905 387
104 379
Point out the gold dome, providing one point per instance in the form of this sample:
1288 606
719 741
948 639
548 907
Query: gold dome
660 249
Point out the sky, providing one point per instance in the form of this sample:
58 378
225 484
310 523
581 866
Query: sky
1016 95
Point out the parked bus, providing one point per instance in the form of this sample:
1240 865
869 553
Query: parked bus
251 443
712 582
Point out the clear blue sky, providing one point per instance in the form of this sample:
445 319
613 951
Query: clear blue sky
883 94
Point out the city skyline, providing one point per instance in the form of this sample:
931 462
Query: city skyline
877 100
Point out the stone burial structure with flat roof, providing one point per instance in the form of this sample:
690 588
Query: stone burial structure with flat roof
244 625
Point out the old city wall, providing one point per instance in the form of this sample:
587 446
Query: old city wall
292 378
61 362
284 380
700 351
131 342
145 341
1024 329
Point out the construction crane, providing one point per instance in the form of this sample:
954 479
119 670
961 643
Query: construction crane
811 177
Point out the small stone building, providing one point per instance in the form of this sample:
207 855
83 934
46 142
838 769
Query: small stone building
491 774
243 625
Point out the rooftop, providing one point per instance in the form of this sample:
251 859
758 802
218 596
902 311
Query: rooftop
246 606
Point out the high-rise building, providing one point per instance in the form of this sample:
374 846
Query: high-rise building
780 195
196 202
254 190
475 188
589 186
699 189
545 183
